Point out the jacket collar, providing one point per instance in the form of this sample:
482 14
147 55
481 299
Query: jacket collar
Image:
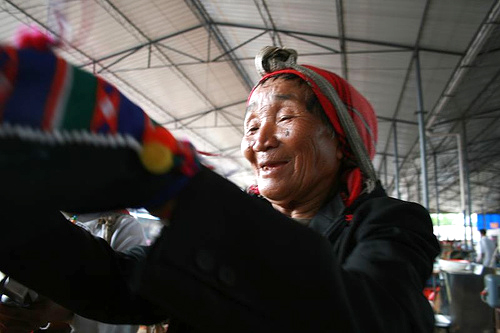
335 210
327 215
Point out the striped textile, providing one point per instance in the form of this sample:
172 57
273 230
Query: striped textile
43 96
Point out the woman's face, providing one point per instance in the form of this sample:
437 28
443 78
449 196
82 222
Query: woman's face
293 153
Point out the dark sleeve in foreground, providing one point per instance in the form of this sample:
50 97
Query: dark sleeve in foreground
66 263
230 263
387 259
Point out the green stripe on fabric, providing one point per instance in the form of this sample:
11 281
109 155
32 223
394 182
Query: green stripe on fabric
81 102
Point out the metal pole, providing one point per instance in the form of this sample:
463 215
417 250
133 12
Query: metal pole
462 182
467 178
421 131
396 159
408 190
461 174
436 186
417 185
385 171
341 30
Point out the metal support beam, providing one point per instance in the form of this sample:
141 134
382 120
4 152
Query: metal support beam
421 131
467 178
408 191
198 9
148 43
396 120
466 63
436 187
460 150
409 47
385 171
340 27
396 160
269 23
204 113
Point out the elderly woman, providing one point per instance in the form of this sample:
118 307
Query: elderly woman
320 249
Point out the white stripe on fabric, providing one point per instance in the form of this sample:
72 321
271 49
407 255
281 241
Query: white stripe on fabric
63 97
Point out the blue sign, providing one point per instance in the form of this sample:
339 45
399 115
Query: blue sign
488 221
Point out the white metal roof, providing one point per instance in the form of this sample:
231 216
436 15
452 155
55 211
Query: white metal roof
189 64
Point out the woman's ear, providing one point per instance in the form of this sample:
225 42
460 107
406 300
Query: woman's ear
339 154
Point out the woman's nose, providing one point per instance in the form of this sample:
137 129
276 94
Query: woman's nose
266 137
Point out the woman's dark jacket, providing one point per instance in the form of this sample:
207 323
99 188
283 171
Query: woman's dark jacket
229 262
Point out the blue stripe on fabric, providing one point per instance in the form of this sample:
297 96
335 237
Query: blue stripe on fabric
130 118
3 58
108 89
104 129
26 104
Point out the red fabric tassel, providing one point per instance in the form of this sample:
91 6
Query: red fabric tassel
32 37
354 184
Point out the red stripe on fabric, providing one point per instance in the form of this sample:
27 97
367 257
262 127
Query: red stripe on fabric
97 115
100 118
115 101
147 133
159 134
55 93
10 72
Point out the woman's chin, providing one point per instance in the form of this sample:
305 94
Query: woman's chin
272 192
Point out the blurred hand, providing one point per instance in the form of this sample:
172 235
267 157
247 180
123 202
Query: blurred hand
25 320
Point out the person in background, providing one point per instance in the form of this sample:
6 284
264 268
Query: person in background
486 250
324 249
122 231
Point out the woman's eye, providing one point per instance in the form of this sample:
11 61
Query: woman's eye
285 118
252 129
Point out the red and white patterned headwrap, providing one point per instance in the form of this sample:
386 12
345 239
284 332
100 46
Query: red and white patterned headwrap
351 115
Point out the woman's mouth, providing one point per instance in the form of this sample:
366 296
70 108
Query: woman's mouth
269 168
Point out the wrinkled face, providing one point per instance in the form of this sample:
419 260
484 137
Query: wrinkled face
293 153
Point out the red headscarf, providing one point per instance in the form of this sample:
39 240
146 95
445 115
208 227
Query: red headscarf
359 109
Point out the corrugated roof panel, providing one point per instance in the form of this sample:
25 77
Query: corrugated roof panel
218 81
167 89
175 80
11 20
251 39
190 47
409 102
450 24
95 31
384 128
236 11
131 62
158 18
224 136
406 137
435 71
478 92
484 132
306 45
380 78
314 16
236 114
394 22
